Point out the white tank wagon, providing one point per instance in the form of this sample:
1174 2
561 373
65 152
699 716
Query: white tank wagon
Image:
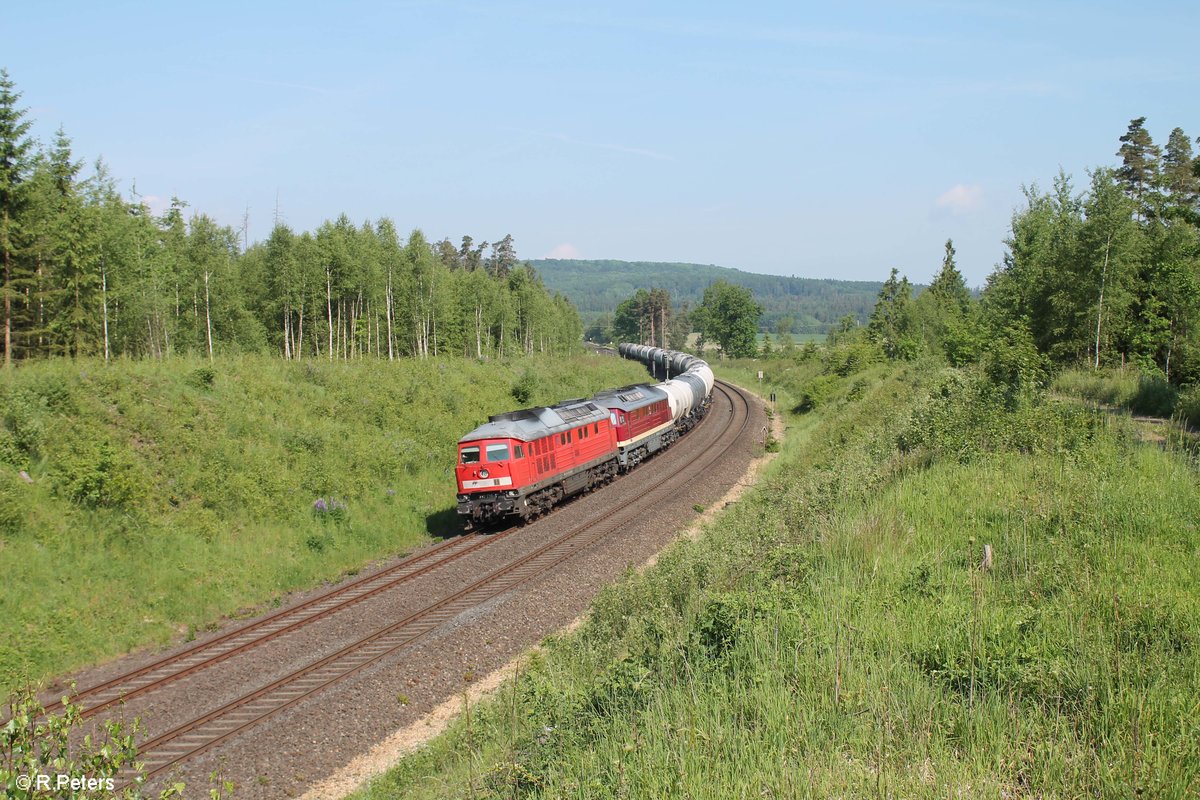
689 381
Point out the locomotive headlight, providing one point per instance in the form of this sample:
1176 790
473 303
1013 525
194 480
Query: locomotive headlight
483 473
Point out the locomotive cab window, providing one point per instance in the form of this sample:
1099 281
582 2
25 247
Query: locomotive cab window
497 452
470 455
518 452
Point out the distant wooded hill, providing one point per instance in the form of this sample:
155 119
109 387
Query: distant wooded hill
596 287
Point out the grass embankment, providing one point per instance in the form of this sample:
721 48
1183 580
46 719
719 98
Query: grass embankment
1130 390
165 496
836 633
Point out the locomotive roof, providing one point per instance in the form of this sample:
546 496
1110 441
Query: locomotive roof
630 397
533 423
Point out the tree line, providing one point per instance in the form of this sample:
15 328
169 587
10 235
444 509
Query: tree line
87 272
796 305
1104 277
727 315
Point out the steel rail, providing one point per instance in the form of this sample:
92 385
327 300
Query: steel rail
212 651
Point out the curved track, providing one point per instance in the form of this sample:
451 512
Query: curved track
162 752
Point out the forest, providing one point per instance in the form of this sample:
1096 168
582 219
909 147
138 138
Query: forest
798 305
87 272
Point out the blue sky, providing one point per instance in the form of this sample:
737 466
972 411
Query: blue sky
820 140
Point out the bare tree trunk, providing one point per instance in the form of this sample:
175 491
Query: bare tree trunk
1170 348
300 335
287 332
104 303
478 330
1100 310
208 317
390 318
329 308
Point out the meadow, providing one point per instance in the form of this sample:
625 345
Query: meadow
941 588
159 498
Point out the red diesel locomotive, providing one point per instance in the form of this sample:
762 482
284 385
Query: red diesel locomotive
522 463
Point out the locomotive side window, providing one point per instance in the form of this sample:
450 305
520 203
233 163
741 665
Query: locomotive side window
497 452
470 455
612 417
518 452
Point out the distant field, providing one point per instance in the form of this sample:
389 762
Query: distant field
166 495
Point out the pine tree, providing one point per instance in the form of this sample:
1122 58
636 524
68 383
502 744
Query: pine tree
1139 157
504 257
1181 177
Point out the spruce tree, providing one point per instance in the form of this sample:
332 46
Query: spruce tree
15 148
948 287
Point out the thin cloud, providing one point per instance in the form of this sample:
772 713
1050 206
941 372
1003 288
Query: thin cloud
564 250
618 148
960 199
259 81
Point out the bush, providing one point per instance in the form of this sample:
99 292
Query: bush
818 392
11 508
36 744
202 378
1154 397
1187 407
96 475
525 387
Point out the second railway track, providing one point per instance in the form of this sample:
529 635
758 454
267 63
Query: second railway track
212 651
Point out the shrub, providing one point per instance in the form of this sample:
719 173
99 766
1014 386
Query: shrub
1154 397
11 508
818 392
36 744
1187 407
202 378
22 427
96 475
525 387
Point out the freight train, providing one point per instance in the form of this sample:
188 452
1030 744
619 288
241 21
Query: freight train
520 464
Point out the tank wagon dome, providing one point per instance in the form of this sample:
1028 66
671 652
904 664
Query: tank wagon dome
533 423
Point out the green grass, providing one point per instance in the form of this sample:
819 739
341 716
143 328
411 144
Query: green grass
834 634
166 496
1124 388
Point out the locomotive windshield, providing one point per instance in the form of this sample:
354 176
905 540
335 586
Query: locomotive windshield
497 452
470 455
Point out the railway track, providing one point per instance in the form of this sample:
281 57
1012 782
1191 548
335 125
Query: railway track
205 654
170 748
